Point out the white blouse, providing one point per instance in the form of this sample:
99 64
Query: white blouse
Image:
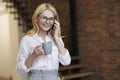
44 62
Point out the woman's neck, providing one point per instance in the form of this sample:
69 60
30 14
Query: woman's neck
42 34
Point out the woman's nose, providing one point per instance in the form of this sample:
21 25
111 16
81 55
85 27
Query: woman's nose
47 21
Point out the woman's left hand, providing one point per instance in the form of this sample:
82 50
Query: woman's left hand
56 30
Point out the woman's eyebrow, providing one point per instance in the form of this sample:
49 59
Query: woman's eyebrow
47 16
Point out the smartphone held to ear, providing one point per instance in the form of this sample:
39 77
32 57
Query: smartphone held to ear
54 27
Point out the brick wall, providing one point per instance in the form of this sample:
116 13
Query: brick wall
98 25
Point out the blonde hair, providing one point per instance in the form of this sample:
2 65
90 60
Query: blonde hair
37 12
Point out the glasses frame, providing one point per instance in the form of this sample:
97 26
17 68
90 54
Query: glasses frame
45 19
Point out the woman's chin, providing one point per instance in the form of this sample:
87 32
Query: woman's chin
46 29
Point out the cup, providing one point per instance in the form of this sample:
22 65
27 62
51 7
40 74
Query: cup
47 47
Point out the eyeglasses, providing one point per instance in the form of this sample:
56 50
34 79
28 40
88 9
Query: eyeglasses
44 18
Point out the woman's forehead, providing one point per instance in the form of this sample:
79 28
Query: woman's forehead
47 13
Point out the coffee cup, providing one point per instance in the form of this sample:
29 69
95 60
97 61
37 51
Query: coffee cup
47 47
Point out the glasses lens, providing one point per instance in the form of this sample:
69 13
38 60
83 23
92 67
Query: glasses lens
51 19
44 18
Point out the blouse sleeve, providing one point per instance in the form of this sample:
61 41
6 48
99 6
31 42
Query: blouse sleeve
64 59
23 54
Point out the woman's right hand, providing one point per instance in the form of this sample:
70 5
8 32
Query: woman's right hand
38 51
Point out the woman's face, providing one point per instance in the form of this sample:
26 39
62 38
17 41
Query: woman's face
45 20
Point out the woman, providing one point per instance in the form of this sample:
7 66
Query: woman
31 56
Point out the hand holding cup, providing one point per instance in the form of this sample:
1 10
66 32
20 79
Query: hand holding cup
38 51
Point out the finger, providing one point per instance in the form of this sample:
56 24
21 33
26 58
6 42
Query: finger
38 46
43 52
57 26
57 22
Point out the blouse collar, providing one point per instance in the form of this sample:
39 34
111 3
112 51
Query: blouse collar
48 37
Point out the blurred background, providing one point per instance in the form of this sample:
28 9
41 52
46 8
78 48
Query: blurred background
91 27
